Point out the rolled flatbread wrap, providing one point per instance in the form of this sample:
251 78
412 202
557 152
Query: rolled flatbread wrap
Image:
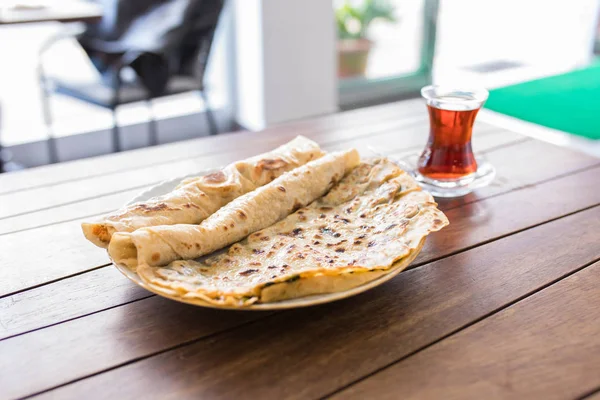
197 198
159 245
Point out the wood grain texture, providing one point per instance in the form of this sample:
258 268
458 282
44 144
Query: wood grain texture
533 161
593 395
487 140
109 338
70 298
544 347
311 352
165 153
469 226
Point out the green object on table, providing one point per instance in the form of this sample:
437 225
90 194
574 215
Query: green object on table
569 102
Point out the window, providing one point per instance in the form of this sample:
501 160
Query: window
385 48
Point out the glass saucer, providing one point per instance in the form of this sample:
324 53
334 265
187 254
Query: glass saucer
442 188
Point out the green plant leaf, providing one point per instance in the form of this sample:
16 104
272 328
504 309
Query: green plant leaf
363 14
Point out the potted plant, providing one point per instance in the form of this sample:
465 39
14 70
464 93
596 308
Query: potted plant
353 20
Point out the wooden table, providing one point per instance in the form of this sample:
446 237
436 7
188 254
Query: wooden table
69 11
503 303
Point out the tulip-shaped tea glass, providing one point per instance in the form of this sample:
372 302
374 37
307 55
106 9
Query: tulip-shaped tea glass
447 167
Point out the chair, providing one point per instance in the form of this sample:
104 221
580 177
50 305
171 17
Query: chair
165 42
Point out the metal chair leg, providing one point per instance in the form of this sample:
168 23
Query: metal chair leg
52 145
116 133
1 160
212 123
152 126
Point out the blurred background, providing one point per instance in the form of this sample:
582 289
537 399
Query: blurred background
84 78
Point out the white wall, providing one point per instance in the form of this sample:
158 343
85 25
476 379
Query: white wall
286 65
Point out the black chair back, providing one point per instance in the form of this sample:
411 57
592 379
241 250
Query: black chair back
157 38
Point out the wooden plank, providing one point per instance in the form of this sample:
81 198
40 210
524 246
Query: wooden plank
308 353
593 395
544 347
128 334
70 298
485 141
24 201
86 168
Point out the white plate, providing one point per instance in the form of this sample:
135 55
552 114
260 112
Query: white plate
167 186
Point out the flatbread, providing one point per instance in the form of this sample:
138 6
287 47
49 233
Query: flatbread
256 210
195 199
374 220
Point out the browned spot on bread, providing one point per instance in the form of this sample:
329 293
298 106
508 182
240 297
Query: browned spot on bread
197 245
255 263
190 205
267 164
281 188
248 272
271 267
411 211
258 251
371 244
242 214
344 220
340 250
215 177
155 257
101 232
297 205
157 207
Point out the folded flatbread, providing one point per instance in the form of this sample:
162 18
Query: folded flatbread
197 198
256 210
372 222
